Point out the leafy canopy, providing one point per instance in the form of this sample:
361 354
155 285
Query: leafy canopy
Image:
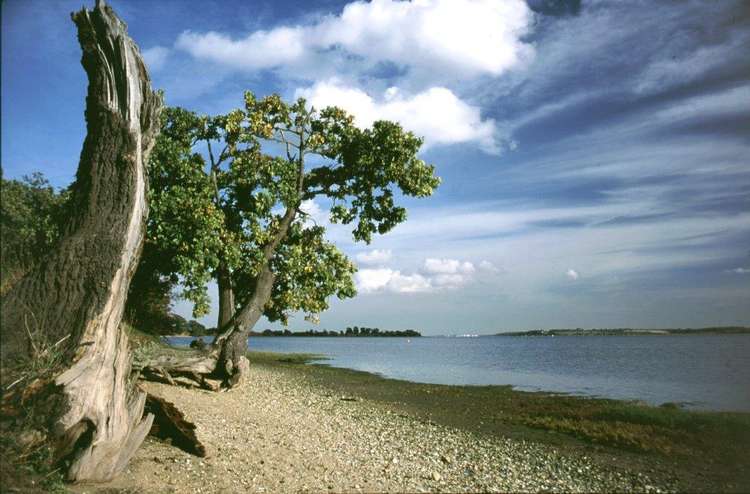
226 192
32 214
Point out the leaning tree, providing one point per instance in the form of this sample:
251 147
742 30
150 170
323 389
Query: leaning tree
71 304
228 196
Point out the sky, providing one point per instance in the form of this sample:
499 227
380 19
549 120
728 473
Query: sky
594 154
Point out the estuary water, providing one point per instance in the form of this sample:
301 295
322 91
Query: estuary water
710 372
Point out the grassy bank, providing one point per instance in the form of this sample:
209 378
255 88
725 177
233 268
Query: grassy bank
704 450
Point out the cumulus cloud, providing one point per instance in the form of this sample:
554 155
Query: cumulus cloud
314 214
436 114
447 266
572 274
375 256
260 50
433 275
155 57
470 37
385 279
427 43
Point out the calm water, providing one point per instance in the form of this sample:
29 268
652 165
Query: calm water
707 372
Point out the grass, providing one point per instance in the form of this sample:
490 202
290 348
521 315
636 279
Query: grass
27 462
26 455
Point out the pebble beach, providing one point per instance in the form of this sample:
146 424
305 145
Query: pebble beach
279 433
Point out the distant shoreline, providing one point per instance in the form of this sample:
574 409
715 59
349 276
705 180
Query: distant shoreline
301 335
535 332
629 332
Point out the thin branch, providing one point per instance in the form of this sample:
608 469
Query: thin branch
223 155
211 154
287 129
288 152
307 215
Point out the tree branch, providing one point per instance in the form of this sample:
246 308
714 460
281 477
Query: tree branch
286 142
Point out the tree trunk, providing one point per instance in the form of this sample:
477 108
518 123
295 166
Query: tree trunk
226 297
227 358
78 292
230 347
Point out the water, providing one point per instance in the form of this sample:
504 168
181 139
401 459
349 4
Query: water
703 371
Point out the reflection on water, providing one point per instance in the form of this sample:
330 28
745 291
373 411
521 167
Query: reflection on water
706 371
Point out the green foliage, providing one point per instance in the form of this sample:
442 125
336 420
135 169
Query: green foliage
185 231
307 267
231 209
149 301
31 219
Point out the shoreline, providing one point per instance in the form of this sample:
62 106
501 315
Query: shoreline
688 399
310 427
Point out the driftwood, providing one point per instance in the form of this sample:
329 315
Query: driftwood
78 292
170 424
188 372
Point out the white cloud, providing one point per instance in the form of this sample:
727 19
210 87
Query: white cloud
739 270
314 213
466 37
690 65
260 50
155 57
429 44
413 283
572 274
385 279
436 114
447 266
434 275
375 256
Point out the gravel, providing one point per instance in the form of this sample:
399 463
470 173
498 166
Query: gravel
279 434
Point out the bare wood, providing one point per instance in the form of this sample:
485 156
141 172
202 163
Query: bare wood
194 372
170 423
77 294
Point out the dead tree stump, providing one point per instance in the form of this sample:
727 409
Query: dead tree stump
78 292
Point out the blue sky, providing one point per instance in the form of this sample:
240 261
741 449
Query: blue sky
594 154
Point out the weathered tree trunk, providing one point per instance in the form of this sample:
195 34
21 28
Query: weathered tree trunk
78 292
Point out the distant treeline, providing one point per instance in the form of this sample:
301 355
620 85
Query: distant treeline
628 331
180 326
348 332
